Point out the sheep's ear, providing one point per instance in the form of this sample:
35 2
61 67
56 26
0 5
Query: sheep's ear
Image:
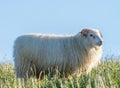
84 32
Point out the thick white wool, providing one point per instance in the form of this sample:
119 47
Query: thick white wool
69 53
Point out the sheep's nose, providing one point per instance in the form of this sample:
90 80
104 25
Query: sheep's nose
100 42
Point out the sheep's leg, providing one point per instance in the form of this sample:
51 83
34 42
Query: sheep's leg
25 69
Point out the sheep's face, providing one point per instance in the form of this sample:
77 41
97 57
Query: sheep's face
94 36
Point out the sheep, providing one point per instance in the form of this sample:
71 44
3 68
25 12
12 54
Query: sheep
35 54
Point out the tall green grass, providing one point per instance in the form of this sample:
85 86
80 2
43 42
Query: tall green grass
106 75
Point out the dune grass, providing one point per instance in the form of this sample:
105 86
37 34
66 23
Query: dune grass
106 75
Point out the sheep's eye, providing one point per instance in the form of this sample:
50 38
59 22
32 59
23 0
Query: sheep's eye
91 35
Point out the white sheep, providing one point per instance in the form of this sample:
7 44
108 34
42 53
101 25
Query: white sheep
71 54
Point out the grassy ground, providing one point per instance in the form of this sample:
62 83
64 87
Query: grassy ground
106 75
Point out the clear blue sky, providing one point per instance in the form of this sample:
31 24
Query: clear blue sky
58 16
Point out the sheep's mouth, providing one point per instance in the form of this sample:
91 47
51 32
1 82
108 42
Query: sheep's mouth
99 44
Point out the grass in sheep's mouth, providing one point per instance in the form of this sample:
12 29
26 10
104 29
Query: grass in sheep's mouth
106 75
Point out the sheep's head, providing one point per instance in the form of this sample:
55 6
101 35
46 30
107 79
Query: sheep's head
93 35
